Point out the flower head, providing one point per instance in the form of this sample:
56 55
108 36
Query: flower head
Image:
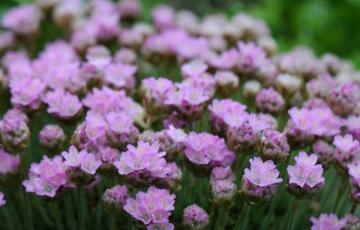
142 160
152 207
46 177
205 149
62 104
305 176
260 180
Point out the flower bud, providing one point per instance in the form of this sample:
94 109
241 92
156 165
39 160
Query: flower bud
325 152
52 137
269 100
14 132
115 197
273 145
251 88
227 82
195 217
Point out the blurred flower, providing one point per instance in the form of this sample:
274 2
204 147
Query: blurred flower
269 100
195 218
9 164
2 199
347 150
327 222
250 58
22 20
116 196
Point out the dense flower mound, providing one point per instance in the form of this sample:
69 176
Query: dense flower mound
117 115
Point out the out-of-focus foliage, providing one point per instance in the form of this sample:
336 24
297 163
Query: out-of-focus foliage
323 25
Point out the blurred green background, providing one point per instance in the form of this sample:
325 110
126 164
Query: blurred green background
325 25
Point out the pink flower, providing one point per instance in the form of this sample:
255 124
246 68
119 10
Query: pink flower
130 8
317 121
163 17
188 100
73 157
154 94
327 222
193 69
354 172
250 58
195 217
87 162
225 113
144 158
306 173
274 145
204 149
8 163
46 177
105 100
260 181
2 199
121 76
116 195
152 207
269 100
23 20
262 173
99 56
52 137
62 104
26 92
226 60
346 144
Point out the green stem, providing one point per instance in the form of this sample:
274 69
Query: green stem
245 213
339 195
221 218
57 215
28 216
353 208
82 208
291 221
69 212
